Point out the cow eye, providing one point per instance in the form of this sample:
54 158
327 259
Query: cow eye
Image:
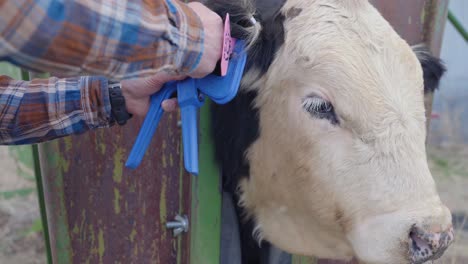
320 108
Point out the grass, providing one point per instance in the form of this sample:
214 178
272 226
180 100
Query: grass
448 163
17 193
36 227
24 163
450 170
459 231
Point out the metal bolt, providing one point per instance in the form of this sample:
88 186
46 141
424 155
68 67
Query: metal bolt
179 225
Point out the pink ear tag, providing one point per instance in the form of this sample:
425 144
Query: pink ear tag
228 46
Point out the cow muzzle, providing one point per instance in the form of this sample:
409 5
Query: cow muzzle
427 245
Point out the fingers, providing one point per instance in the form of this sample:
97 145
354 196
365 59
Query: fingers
155 82
170 105
163 77
137 92
213 42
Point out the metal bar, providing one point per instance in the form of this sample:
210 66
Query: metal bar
458 26
55 203
205 233
437 13
41 201
206 200
40 187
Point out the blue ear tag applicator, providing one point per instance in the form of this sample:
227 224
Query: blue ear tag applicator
191 96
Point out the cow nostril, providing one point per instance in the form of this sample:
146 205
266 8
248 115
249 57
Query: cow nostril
426 246
419 248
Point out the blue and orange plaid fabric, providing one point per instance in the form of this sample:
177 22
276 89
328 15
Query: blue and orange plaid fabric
46 109
116 39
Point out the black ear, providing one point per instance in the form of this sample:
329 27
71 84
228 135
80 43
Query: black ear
433 68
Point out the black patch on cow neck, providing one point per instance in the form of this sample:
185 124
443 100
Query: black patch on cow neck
235 125
433 69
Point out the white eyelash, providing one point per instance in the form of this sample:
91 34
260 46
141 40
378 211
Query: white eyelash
315 104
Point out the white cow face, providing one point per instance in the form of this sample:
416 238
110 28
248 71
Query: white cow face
339 168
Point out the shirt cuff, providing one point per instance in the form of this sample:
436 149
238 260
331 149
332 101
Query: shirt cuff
95 102
187 33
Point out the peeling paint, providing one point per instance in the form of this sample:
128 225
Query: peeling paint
91 233
164 161
82 224
162 203
132 235
102 147
118 165
101 244
116 201
68 143
65 165
101 143
422 16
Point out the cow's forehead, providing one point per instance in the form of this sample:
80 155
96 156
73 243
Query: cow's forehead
349 49
340 34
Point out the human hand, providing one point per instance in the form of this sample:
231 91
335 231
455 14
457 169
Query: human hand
137 93
213 43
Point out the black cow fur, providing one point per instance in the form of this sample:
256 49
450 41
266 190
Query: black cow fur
235 126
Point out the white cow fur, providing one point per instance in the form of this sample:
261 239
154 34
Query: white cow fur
306 200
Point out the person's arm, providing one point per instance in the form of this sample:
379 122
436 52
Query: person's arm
116 39
45 109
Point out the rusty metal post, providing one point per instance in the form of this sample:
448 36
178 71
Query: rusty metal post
100 212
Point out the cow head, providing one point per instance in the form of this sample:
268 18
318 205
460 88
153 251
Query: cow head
326 140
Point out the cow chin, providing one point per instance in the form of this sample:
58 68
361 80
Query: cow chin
383 239
289 227
317 223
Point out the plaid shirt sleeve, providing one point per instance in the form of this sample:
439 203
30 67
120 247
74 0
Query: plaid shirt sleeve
45 109
112 38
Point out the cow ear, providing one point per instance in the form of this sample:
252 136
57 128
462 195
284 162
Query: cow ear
433 68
